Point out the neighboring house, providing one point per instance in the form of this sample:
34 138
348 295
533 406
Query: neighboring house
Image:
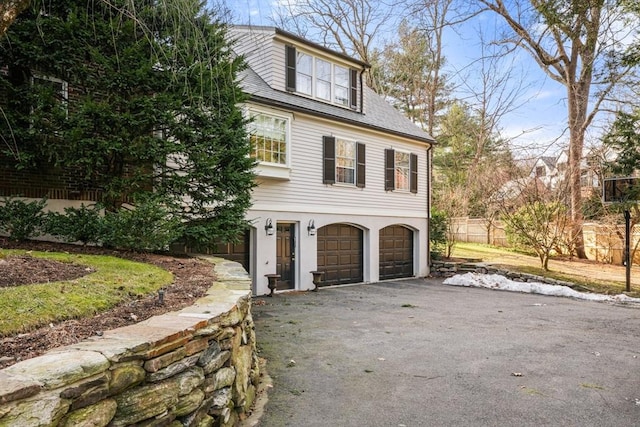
343 177
552 171
546 171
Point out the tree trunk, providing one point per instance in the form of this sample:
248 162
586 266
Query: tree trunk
545 262
9 10
578 98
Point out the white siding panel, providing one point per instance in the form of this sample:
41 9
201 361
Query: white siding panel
278 78
306 192
258 48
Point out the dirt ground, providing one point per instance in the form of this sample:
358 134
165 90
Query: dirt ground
192 277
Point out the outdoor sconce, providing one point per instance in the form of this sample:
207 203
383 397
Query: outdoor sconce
268 227
311 228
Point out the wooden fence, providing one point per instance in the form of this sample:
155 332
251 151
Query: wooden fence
477 230
603 243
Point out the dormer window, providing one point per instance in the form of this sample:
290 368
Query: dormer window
304 74
321 79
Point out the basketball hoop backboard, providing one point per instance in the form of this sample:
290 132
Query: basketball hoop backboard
621 189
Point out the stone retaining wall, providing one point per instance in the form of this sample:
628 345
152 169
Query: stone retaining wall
194 367
448 269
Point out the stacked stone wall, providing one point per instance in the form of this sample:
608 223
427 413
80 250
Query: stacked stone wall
449 269
195 367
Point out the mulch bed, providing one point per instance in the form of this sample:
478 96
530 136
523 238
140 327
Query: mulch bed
20 270
192 278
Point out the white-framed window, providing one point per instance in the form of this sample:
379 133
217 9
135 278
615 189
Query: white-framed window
58 87
345 161
269 136
402 170
304 73
341 85
321 78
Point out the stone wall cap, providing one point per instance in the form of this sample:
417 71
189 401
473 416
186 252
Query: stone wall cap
61 368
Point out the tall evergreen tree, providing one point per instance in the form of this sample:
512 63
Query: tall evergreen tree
151 105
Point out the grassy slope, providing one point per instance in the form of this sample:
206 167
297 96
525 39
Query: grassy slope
115 280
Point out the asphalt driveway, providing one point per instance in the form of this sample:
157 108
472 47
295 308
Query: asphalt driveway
419 353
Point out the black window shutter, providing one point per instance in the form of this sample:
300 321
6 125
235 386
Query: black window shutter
360 160
353 84
389 170
413 170
290 59
329 159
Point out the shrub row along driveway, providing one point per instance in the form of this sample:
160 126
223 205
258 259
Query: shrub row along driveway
419 353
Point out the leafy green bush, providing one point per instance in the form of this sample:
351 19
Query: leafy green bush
84 224
21 220
147 227
438 226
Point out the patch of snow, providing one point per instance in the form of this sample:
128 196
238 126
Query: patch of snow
496 281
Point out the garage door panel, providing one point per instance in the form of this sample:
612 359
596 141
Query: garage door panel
340 254
396 252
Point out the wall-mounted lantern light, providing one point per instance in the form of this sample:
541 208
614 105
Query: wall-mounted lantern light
268 227
311 228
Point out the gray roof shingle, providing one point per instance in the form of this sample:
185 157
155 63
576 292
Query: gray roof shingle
380 115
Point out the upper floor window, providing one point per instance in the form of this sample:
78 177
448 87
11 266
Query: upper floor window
321 78
401 171
55 87
341 87
344 161
540 171
402 174
269 137
304 73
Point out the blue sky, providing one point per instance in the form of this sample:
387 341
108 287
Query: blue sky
538 126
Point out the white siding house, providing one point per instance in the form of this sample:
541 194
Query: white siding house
342 177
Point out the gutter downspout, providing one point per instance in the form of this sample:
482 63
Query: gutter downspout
429 184
362 90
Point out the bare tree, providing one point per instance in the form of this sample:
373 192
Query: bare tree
494 88
433 17
451 202
349 26
571 42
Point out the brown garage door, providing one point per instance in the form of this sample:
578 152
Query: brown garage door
340 254
396 252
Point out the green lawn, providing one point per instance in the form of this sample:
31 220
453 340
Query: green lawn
587 276
115 280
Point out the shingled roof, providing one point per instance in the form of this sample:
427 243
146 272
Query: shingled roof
379 115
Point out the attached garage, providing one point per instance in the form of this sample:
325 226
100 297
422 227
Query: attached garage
340 249
396 252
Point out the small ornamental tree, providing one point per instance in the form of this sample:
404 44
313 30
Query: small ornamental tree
539 226
438 232
136 97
